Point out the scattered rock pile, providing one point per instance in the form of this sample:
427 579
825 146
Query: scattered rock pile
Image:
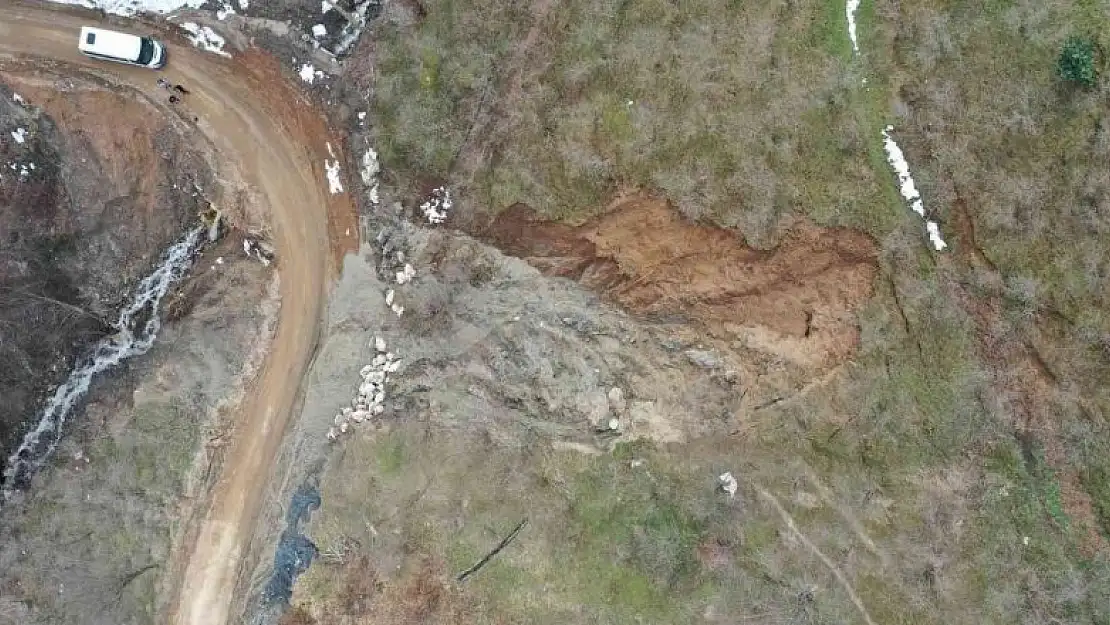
728 483
370 399
436 207
392 265
370 170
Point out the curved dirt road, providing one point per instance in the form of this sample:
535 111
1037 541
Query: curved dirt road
258 123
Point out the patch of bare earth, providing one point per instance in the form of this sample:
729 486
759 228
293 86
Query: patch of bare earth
795 301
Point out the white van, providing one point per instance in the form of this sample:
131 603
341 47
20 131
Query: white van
122 48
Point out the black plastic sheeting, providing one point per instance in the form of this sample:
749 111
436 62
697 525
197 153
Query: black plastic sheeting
295 552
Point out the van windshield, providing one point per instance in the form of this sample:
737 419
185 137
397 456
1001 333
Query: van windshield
146 52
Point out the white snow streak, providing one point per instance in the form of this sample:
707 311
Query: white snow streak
20 135
335 183
128 8
850 8
906 186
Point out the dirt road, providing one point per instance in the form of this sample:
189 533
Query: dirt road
273 145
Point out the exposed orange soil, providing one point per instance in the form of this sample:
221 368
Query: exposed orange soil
798 298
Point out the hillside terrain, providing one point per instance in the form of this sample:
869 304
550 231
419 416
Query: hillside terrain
780 312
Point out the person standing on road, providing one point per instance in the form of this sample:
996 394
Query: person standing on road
163 83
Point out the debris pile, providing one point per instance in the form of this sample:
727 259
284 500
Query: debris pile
370 399
369 171
263 251
436 207
406 274
392 265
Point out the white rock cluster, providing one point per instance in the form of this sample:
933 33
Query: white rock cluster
369 170
263 251
728 483
370 399
406 275
435 209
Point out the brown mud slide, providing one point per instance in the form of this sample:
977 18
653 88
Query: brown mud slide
796 300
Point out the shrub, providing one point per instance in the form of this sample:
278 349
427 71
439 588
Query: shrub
1077 61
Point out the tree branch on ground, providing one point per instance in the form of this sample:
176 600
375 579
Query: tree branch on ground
496 550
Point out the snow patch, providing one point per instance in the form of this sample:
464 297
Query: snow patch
128 8
319 31
850 8
20 135
307 73
223 12
335 183
310 74
205 38
18 99
906 186
934 235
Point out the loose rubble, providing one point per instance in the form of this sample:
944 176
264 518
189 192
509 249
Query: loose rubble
369 170
370 399
435 209
262 251
728 483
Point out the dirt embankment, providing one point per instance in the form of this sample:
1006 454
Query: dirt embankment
796 300
93 188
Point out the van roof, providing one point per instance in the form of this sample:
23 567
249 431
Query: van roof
100 41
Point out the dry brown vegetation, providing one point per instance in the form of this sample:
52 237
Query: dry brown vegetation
957 470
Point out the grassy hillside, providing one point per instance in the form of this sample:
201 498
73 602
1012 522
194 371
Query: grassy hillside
958 471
